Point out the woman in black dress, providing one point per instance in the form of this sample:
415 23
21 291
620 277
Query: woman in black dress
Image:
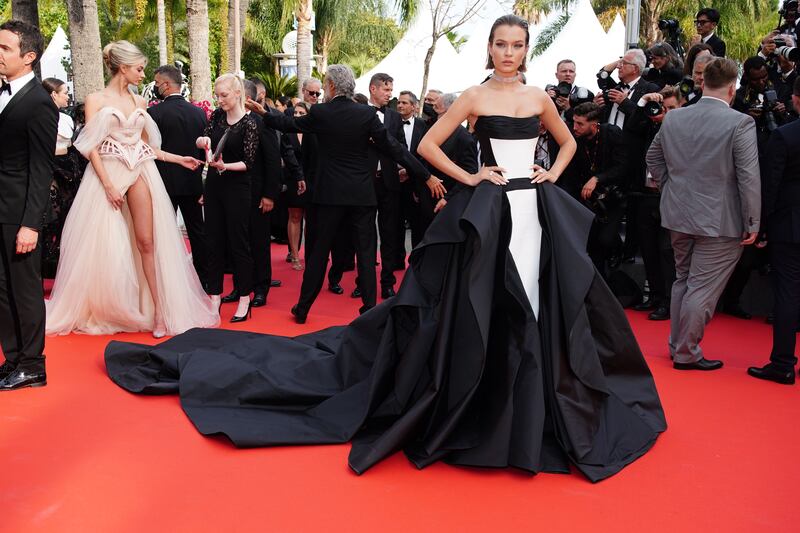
226 197
503 346
296 191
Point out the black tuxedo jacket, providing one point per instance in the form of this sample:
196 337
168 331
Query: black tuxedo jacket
306 156
28 130
389 171
610 164
462 148
419 130
266 177
780 183
180 123
717 44
345 132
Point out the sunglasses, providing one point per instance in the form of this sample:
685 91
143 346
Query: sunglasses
701 22
314 93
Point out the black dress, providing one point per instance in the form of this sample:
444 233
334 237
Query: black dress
457 367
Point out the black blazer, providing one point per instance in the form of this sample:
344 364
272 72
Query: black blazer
306 157
419 130
266 177
180 123
780 183
345 132
28 130
717 44
389 171
611 161
462 148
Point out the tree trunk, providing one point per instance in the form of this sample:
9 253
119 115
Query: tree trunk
303 43
85 47
162 32
200 66
324 42
651 12
170 35
233 57
28 11
427 68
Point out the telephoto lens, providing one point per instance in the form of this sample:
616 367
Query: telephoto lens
686 86
788 52
653 109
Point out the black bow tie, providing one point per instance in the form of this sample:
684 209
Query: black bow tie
5 87
624 86
407 122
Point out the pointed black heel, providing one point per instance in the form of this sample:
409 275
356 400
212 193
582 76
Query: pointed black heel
244 317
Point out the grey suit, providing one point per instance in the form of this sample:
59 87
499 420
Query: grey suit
705 161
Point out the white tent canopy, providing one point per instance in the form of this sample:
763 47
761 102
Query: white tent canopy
54 56
616 33
583 40
406 61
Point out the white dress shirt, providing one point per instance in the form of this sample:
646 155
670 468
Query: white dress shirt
616 116
16 85
408 130
380 117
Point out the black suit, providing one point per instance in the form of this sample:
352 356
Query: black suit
780 181
265 183
717 45
344 189
28 129
410 207
181 123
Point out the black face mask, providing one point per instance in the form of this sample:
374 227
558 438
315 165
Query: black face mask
428 110
157 92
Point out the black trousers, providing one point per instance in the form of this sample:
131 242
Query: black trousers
330 221
749 261
785 260
388 228
192 213
228 212
260 250
604 240
656 246
409 212
22 313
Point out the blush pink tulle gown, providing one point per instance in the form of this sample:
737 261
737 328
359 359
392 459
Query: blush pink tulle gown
100 287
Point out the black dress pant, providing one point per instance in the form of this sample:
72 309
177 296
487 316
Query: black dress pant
329 222
409 212
749 261
260 250
604 240
656 246
192 213
22 313
228 212
388 228
785 260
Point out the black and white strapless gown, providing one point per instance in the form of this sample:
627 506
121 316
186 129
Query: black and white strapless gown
503 347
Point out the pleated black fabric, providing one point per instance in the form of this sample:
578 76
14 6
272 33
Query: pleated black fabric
454 368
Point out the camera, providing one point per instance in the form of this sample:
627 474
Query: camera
790 53
604 199
562 89
653 109
770 101
605 82
580 95
686 86
669 25
673 34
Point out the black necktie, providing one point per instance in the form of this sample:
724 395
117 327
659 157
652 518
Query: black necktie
5 87
406 122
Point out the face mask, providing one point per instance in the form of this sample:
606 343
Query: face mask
428 109
157 92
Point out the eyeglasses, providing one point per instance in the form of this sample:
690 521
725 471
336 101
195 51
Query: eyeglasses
701 22
314 93
623 62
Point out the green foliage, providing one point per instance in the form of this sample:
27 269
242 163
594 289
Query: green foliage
456 40
548 35
277 85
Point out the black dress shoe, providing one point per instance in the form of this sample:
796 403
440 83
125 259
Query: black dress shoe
770 318
356 293
364 309
647 305
770 373
702 364
5 369
661 313
19 379
335 288
737 311
259 300
275 283
387 292
232 297
299 317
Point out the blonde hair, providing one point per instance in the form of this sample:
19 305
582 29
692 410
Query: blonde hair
118 53
234 82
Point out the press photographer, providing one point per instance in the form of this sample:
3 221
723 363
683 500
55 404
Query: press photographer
787 19
781 54
666 67
598 176
654 240
691 88
565 94
757 97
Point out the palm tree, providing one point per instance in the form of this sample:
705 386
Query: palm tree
84 43
303 13
200 64
535 10
161 13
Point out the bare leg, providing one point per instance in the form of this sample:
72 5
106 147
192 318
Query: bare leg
141 207
293 231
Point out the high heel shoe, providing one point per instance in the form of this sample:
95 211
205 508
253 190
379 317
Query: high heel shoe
244 317
296 264
159 329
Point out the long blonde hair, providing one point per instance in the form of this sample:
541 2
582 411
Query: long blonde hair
118 53
234 82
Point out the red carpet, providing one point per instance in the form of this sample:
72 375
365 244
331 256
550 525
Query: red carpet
83 455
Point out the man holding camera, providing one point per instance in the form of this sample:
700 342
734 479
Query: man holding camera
706 24
781 227
597 176
790 21
565 93
705 162
654 240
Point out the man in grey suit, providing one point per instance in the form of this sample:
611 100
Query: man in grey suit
705 161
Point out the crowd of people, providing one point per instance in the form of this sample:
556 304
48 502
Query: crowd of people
343 182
